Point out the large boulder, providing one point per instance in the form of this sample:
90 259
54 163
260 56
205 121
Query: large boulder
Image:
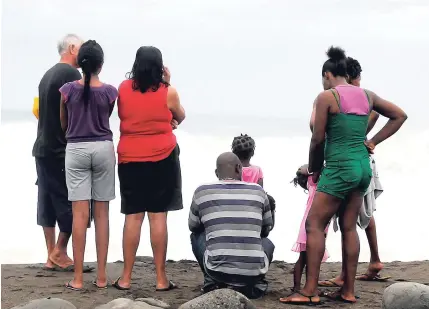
46 303
406 295
220 299
140 303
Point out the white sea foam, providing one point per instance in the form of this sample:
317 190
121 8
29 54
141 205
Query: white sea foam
401 216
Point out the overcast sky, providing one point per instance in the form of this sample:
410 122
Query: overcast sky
228 56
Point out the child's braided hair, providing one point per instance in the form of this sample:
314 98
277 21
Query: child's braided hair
243 146
300 180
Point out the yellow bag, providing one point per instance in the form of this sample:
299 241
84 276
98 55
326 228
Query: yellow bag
36 107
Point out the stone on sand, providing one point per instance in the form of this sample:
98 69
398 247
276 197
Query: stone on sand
220 299
46 303
406 295
141 303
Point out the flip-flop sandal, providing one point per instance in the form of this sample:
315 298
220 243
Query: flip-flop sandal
338 297
70 269
48 268
117 286
310 301
94 283
70 287
376 278
329 284
171 286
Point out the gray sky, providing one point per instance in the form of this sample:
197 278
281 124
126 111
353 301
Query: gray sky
258 57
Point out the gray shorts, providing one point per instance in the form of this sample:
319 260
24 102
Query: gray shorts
90 171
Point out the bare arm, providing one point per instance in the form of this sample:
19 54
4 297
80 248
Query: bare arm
313 114
173 103
261 182
63 114
373 117
316 155
389 110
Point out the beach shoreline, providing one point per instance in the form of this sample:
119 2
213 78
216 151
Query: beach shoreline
24 282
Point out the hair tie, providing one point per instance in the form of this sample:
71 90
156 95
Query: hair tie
84 60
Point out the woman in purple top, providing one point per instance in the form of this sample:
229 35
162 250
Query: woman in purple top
86 106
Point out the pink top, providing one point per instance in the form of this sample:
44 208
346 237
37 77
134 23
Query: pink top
252 174
353 100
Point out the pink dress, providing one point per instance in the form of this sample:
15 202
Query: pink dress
300 245
252 174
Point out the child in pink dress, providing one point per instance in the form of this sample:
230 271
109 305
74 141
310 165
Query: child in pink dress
306 182
243 147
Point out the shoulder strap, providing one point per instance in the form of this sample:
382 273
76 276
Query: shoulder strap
369 101
337 98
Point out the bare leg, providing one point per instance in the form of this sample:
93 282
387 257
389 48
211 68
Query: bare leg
80 225
351 244
101 218
130 244
59 255
323 208
159 240
375 265
50 244
298 270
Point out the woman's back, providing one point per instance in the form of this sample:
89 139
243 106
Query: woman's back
146 131
346 131
89 121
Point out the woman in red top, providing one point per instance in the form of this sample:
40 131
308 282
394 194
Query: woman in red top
149 168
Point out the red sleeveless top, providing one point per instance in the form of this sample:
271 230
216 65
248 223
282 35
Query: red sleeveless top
146 132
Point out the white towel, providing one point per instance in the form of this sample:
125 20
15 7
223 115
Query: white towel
369 206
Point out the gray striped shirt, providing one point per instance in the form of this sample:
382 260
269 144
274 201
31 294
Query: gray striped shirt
233 215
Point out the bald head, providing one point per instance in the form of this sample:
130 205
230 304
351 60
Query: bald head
228 165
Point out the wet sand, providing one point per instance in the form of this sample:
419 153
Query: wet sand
21 283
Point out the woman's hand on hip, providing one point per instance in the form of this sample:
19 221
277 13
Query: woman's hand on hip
174 124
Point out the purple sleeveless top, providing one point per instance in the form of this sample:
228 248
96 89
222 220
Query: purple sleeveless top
88 123
353 100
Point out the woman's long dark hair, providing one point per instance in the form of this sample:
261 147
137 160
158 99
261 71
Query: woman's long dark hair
90 59
148 70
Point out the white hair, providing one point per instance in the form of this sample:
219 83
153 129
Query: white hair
69 39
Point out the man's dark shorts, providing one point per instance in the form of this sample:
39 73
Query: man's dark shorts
52 203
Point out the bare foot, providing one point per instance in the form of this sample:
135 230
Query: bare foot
74 285
372 272
101 280
162 282
339 296
375 268
300 298
60 259
49 264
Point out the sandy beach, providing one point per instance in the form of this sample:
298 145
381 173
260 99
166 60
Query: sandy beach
21 283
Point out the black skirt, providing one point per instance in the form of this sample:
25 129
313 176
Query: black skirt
151 186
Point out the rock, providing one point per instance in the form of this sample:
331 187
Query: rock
141 303
154 302
220 299
406 295
46 303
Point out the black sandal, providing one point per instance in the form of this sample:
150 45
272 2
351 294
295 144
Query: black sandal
117 286
310 301
171 286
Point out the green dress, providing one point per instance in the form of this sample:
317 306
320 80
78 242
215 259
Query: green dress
347 167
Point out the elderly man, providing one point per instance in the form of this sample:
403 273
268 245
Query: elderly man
230 221
49 151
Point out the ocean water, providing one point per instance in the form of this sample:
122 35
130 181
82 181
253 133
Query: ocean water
281 147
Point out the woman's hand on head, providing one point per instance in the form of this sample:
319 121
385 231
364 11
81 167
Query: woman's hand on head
167 75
